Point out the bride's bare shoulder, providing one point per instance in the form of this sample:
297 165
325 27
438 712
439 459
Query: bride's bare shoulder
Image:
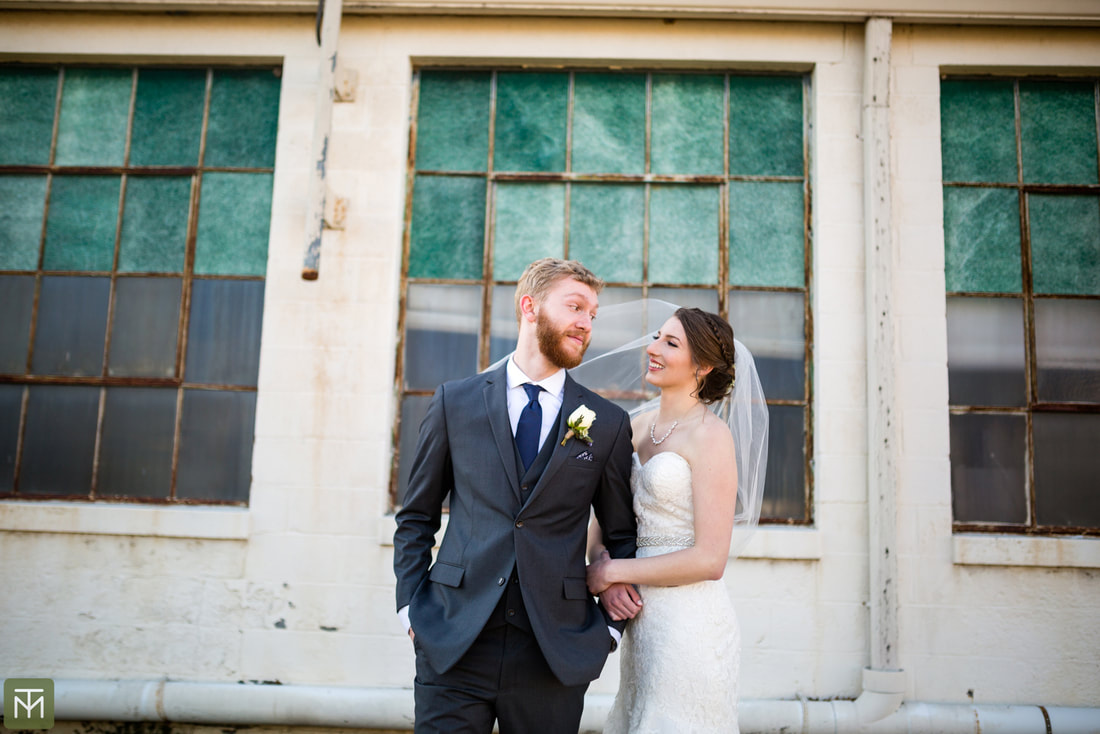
711 434
642 420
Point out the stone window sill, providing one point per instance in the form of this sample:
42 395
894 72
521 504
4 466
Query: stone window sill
177 521
976 549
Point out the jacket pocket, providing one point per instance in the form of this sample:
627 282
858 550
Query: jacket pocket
447 574
575 588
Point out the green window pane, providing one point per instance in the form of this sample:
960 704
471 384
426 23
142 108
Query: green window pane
59 441
1058 132
17 305
452 122
80 228
530 122
154 224
11 408
785 483
413 410
139 428
442 323
24 199
704 298
683 234
619 315
503 326
1065 244
988 468
687 122
72 326
773 326
244 118
95 109
234 222
26 117
216 432
168 117
766 126
223 337
986 356
609 123
1067 349
530 223
981 229
767 234
607 229
1066 466
978 131
145 323
447 232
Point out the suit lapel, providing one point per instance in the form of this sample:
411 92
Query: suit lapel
496 408
570 401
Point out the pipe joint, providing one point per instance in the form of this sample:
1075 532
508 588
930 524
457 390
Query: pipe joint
883 692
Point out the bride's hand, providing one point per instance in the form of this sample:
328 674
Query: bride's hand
596 574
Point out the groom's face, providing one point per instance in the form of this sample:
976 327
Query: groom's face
563 322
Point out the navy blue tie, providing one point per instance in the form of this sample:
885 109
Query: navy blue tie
529 426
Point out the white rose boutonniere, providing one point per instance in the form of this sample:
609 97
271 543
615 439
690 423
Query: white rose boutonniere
579 423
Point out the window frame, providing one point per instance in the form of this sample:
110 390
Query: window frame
187 277
1027 298
721 287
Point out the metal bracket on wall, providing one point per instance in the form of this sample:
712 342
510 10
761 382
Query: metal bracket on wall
344 84
336 211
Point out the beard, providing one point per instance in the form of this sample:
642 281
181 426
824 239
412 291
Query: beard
550 340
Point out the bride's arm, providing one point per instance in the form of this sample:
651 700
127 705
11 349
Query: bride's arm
714 495
621 600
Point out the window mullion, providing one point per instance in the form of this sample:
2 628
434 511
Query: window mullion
487 280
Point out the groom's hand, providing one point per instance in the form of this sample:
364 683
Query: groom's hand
621 601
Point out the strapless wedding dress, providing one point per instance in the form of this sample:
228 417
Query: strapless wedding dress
681 656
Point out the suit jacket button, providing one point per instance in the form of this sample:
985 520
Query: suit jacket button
500 581
519 524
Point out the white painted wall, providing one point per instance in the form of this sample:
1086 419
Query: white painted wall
1012 632
298 587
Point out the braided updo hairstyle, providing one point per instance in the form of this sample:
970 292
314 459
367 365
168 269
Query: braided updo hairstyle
710 338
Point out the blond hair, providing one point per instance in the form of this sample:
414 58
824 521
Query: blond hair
541 275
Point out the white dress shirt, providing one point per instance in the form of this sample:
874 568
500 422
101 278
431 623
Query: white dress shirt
553 390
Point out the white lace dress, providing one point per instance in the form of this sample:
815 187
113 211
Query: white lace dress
681 656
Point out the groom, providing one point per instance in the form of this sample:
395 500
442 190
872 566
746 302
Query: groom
502 623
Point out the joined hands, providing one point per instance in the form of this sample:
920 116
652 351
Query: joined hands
622 601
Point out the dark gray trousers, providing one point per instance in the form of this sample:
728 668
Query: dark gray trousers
504 678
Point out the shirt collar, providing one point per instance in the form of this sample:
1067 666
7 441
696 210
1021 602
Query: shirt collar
554 384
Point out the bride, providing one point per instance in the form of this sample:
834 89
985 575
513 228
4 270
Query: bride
680 657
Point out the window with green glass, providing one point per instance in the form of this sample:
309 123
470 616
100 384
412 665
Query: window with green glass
1021 202
687 187
133 250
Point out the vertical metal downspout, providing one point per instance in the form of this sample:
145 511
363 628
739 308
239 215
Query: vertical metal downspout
883 446
331 10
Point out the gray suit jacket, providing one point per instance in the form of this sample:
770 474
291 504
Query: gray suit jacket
466 448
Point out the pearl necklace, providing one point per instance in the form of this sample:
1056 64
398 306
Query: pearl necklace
668 433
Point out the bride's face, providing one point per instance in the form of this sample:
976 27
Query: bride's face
670 360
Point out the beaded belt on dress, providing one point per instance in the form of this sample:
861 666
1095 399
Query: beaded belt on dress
683 541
